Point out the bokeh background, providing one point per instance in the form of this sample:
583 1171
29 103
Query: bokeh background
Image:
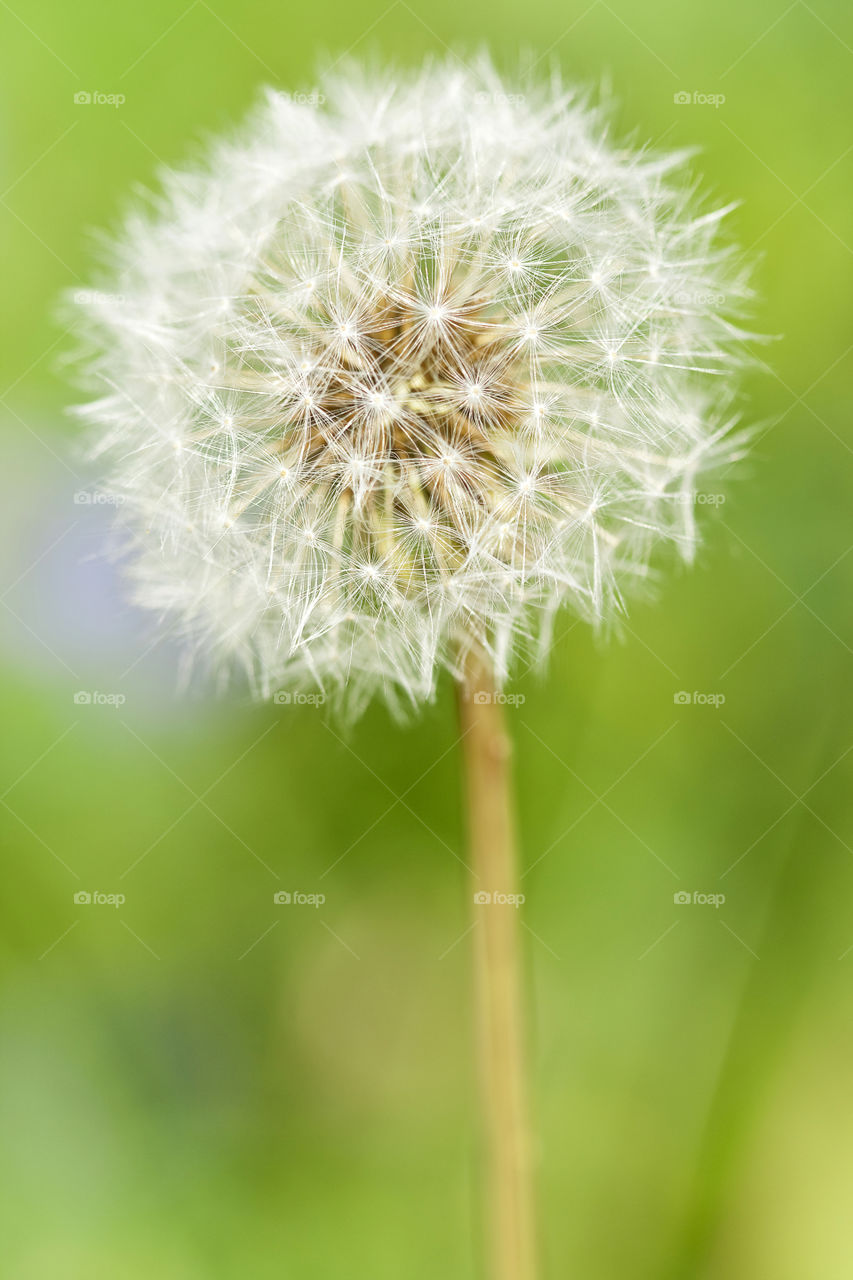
198 1083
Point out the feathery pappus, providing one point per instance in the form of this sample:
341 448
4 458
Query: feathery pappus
408 367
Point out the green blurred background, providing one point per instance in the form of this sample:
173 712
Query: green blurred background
199 1083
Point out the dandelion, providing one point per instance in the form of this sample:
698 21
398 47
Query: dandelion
390 380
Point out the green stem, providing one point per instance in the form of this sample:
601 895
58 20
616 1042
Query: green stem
508 1190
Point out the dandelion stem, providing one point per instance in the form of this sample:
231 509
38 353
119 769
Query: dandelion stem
508 1217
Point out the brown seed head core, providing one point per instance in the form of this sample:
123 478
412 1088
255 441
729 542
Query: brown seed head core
401 420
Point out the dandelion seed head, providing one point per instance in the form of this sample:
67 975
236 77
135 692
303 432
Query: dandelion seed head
405 373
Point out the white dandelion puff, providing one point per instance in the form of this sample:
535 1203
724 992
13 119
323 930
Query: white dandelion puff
405 373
